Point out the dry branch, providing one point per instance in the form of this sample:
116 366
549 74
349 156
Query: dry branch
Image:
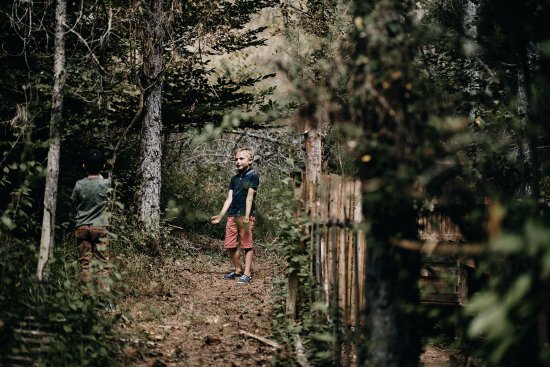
301 357
266 341
441 248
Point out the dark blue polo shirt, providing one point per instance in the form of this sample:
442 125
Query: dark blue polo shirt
240 183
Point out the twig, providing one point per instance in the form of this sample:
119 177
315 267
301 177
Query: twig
91 52
441 248
244 133
271 343
137 115
380 98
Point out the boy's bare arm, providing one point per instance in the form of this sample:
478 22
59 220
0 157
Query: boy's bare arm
248 208
217 218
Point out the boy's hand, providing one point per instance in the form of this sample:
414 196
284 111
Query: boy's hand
216 219
246 222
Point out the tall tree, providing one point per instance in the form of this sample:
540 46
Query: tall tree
314 26
50 192
383 90
151 149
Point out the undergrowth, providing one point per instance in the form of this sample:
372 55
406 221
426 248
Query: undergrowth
72 327
310 324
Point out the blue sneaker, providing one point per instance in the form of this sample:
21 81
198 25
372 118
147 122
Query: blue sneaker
232 275
244 279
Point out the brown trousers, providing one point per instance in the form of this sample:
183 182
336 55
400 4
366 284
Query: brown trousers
93 255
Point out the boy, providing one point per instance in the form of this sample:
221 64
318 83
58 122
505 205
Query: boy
241 211
92 225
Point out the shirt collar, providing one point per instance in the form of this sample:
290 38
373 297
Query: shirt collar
248 170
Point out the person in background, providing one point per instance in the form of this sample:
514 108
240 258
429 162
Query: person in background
90 196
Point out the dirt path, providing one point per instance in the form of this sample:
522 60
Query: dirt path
434 356
183 313
195 320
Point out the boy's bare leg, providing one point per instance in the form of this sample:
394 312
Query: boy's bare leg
248 261
236 257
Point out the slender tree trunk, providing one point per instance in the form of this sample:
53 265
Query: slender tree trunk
528 168
524 152
313 149
313 146
473 69
50 192
151 147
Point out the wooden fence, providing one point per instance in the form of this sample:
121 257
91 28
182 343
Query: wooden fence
339 249
333 207
339 253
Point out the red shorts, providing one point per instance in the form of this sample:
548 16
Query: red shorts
234 228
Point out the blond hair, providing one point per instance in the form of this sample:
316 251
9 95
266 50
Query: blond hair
249 151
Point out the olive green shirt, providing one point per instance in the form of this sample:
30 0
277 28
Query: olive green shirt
90 196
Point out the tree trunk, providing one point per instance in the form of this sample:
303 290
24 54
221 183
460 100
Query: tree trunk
473 69
314 150
151 147
524 152
50 192
391 294
391 134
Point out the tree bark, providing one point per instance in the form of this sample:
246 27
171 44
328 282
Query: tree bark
313 149
151 147
473 69
391 291
391 134
50 192
524 152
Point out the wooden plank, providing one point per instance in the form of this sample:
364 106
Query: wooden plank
313 214
354 217
341 243
292 279
346 205
333 240
349 251
334 284
361 253
325 201
292 295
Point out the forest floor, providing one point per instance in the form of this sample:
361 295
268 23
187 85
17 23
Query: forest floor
193 317
183 313
435 356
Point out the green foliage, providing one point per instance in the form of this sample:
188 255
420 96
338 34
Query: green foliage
197 194
294 246
505 314
339 145
506 311
198 168
79 330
